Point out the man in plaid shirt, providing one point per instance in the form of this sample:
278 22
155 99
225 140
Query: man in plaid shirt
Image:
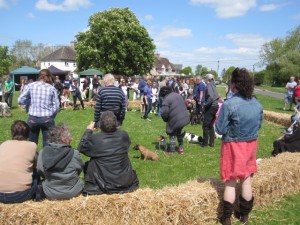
44 105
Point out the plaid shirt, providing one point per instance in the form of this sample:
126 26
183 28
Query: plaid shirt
42 97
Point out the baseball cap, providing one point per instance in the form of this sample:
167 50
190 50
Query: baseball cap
209 76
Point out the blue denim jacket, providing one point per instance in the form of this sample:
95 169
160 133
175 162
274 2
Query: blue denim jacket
239 119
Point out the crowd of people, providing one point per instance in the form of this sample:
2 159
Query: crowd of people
54 172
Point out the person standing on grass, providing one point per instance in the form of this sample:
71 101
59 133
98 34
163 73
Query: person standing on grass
44 101
1 89
147 99
209 110
289 96
110 98
239 120
175 114
8 90
76 94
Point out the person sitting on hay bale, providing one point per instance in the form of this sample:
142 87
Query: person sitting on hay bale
239 120
18 178
60 165
109 169
288 142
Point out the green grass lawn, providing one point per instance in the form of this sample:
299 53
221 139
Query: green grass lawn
196 162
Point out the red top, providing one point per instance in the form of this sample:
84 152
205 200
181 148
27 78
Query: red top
297 91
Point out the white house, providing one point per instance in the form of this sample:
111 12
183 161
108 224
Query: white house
63 59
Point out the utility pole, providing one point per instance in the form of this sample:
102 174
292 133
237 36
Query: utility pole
218 68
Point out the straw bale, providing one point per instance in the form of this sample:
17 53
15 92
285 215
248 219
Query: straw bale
193 202
134 104
278 118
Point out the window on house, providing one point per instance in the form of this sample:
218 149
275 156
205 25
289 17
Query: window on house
74 64
48 64
66 63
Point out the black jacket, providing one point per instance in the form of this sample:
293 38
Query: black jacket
109 169
174 112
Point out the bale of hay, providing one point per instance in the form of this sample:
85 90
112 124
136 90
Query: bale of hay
278 118
134 104
194 202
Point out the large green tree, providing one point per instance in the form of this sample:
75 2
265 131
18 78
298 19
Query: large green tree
186 70
282 57
201 70
6 60
116 42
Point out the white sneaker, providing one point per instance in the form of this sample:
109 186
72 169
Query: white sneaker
148 119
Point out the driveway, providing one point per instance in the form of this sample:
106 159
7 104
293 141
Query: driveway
269 93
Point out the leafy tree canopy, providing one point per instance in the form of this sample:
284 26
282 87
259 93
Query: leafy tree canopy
281 57
186 70
6 60
27 54
116 43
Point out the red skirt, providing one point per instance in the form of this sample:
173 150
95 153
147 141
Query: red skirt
238 160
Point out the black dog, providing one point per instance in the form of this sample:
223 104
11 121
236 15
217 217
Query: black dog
76 107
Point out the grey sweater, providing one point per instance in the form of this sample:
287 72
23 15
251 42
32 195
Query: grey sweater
61 166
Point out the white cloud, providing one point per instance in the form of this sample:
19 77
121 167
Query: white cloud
297 16
3 4
149 17
228 9
171 32
247 40
30 16
269 7
65 5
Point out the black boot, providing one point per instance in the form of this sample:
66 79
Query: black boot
245 209
212 137
227 212
205 137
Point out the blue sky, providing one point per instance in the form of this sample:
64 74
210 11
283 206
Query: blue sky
213 33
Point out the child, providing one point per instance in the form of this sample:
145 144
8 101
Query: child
154 97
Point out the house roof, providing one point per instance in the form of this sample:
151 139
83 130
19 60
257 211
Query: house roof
161 61
25 70
63 53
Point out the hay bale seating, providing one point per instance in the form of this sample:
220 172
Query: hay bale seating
278 118
194 202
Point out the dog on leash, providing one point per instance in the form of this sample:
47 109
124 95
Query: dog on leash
192 138
4 109
162 143
146 154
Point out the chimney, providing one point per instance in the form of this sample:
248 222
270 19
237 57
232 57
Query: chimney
73 44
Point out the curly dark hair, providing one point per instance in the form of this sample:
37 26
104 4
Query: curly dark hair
59 134
243 82
108 122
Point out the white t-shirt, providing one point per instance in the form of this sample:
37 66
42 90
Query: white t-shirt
154 94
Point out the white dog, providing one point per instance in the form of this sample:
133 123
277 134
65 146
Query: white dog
219 136
4 109
192 138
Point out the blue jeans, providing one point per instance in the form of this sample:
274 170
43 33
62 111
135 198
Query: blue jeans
148 108
39 123
20 196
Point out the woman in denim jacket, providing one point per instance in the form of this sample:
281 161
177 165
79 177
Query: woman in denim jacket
239 120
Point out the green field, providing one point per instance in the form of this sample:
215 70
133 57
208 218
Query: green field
196 162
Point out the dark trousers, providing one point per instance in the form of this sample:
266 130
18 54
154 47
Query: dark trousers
208 124
148 107
37 124
79 98
8 98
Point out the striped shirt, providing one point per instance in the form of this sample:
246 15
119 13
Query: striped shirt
110 98
42 97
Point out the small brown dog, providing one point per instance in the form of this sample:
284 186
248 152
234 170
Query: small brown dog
146 154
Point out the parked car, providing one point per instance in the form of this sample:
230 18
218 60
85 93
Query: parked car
217 82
